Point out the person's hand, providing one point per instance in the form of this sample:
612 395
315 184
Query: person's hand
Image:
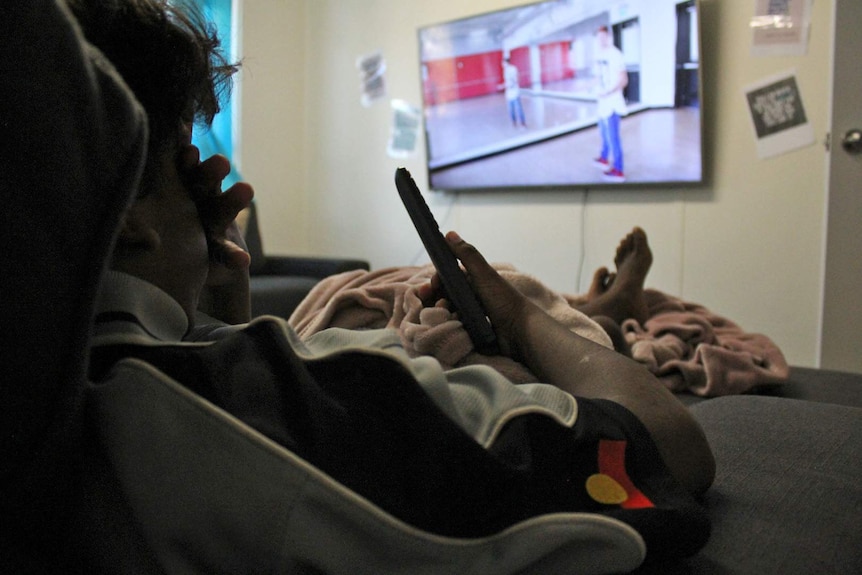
227 281
218 212
506 307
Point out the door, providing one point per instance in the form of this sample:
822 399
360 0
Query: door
841 330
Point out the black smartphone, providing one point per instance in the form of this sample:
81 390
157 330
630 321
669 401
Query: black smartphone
457 288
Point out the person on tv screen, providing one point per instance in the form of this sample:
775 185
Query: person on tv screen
611 78
513 93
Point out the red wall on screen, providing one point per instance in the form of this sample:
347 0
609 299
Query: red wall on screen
555 62
520 57
463 77
475 75
479 74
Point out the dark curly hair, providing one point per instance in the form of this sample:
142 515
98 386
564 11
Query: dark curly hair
166 52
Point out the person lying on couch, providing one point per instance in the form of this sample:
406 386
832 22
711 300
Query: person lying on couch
478 454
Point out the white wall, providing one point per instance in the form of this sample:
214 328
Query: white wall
748 244
272 147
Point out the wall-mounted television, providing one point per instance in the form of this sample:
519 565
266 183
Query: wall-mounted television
564 94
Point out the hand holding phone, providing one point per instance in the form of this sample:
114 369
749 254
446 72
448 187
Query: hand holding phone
455 284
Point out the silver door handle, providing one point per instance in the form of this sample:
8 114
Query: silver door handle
852 142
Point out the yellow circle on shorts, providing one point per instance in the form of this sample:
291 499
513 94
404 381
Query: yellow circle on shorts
605 489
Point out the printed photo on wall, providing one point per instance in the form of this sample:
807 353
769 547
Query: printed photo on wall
778 115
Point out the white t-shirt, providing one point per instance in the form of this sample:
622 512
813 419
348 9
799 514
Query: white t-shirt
609 65
510 79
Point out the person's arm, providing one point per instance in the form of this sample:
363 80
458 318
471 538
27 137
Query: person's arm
585 369
226 294
617 66
622 82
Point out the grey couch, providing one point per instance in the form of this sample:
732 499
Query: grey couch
279 283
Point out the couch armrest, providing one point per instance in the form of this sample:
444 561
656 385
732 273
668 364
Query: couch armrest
308 266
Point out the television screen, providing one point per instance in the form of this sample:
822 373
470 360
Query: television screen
563 94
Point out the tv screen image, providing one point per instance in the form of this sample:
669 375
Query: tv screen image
564 94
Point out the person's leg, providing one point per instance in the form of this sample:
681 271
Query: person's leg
520 109
615 143
615 332
512 112
603 130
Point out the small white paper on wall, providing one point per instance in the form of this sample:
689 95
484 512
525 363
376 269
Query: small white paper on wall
778 115
372 76
780 27
404 133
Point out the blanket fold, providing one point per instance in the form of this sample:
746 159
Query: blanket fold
690 348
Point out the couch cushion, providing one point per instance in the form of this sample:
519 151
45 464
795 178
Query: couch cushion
822 385
787 497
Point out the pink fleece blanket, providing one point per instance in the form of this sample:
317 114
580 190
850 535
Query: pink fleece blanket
387 298
693 349
686 346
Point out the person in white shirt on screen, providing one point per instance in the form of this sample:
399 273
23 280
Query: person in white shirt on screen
513 93
612 79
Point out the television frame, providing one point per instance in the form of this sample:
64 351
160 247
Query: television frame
470 143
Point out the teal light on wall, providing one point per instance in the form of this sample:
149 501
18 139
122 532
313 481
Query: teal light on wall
218 139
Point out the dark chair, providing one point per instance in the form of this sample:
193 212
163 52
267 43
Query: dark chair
279 283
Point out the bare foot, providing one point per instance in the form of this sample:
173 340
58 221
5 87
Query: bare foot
622 297
634 258
602 280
